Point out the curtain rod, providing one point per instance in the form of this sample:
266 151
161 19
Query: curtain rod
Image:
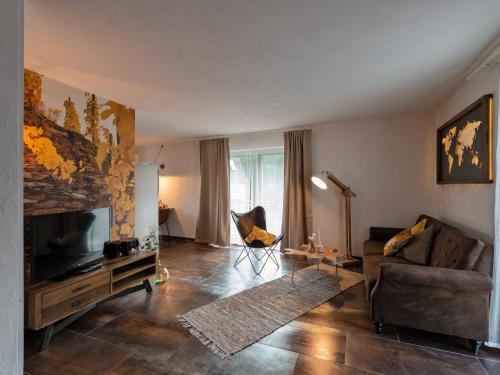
257 134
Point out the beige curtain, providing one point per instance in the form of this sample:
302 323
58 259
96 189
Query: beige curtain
213 218
297 200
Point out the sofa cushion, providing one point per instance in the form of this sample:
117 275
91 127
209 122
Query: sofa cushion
371 267
451 247
383 233
438 224
419 248
471 258
485 261
371 247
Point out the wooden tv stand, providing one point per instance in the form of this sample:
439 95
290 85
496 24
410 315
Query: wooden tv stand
52 305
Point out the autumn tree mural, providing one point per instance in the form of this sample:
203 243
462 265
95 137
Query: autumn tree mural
32 92
71 119
91 111
71 165
120 178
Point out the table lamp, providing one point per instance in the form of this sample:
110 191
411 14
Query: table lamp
348 194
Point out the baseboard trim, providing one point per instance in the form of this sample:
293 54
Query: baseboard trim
492 345
164 237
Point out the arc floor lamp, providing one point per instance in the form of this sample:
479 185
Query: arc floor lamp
348 194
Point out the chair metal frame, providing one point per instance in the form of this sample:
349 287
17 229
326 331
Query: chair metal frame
249 251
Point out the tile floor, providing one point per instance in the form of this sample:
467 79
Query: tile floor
138 334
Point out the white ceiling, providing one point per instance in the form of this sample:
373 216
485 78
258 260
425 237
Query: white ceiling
195 68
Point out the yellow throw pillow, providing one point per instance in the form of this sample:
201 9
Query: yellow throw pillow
260 234
402 238
419 227
397 242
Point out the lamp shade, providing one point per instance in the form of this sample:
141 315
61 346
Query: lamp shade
319 182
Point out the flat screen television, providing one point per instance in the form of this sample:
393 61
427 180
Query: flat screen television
67 241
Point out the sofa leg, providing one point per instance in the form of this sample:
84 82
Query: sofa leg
378 328
476 346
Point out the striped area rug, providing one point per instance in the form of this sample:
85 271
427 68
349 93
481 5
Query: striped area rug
229 325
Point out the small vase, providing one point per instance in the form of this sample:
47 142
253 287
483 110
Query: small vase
312 247
163 274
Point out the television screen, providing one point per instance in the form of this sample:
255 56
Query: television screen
63 242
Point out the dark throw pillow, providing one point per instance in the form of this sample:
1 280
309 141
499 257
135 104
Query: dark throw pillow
419 248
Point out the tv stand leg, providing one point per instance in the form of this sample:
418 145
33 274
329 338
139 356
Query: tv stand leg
52 329
147 286
46 336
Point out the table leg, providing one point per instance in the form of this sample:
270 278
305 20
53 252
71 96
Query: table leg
337 271
293 269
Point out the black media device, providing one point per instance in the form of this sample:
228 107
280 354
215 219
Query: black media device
129 246
68 243
113 249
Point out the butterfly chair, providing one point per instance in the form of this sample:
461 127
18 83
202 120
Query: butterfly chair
245 223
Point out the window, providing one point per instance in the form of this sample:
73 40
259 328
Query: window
257 180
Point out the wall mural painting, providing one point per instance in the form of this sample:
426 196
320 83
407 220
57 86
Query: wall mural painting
79 152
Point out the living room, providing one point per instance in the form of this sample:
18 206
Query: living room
240 187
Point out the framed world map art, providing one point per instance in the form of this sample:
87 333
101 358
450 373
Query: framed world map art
464 145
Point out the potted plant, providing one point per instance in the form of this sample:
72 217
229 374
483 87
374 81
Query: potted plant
151 242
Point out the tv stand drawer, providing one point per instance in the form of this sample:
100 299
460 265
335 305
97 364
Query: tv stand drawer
72 290
72 305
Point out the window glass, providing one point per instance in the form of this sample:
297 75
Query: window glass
257 180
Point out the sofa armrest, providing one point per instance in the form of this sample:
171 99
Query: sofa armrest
448 301
432 277
383 233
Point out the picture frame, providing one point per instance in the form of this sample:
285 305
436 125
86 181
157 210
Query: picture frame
464 145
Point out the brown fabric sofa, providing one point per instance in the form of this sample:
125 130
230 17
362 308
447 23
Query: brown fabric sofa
449 295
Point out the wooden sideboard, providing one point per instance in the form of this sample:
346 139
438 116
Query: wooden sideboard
163 215
52 305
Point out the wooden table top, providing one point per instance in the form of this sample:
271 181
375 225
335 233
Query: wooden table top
329 256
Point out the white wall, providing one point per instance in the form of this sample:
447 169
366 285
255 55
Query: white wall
146 198
263 140
179 183
11 169
388 164
468 206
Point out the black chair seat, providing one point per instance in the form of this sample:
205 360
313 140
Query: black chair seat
245 223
